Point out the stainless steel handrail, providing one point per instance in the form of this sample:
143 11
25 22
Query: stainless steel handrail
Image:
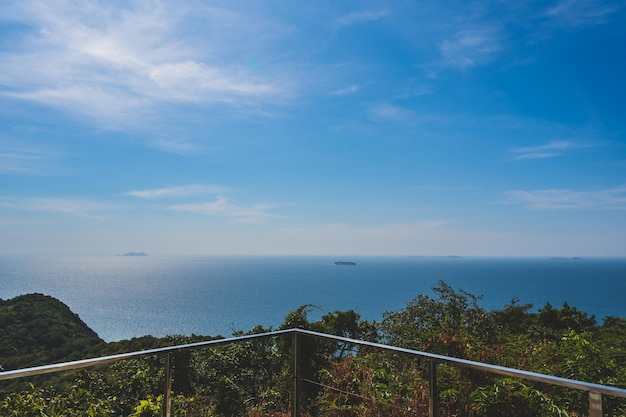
85 363
595 390
495 369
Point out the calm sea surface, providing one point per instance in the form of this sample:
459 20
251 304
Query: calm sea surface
123 297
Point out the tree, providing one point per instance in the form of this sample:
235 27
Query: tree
447 324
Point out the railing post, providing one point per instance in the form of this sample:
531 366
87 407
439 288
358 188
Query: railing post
295 401
168 385
433 400
595 404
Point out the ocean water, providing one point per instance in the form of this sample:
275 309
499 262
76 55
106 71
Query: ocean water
124 297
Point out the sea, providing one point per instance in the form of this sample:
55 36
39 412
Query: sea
121 297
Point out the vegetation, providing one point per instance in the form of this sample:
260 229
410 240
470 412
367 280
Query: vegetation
253 378
39 329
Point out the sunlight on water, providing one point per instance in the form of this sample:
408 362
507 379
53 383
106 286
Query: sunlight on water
124 297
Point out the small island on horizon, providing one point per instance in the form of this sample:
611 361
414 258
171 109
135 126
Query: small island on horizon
345 263
562 258
135 254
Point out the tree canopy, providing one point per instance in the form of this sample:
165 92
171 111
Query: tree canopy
254 378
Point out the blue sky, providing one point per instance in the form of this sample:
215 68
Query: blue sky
291 127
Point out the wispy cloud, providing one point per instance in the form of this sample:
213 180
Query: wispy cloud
72 207
177 191
385 112
441 187
28 160
390 112
554 199
113 62
220 207
345 91
257 213
361 17
550 150
470 47
576 13
480 39
176 145
415 89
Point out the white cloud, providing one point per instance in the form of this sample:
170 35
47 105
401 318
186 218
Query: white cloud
176 192
221 206
552 149
114 63
28 160
555 199
193 81
176 145
345 91
74 207
441 187
361 17
389 112
471 47
257 213
386 112
416 89
576 13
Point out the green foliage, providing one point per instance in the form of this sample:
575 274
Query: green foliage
552 323
514 318
127 382
149 408
254 378
363 390
447 324
611 337
39 329
238 376
509 397
78 402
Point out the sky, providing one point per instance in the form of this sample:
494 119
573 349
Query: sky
469 128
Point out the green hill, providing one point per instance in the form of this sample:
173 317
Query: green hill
253 378
37 329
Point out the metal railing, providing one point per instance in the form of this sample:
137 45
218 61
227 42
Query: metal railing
595 391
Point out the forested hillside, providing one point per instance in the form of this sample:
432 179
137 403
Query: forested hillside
37 329
254 378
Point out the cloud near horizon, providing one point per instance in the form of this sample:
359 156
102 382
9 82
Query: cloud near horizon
76 207
35 160
554 199
255 214
177 191
553 149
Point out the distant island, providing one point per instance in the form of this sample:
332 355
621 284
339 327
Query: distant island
436 256
135 254
345 263
562 258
